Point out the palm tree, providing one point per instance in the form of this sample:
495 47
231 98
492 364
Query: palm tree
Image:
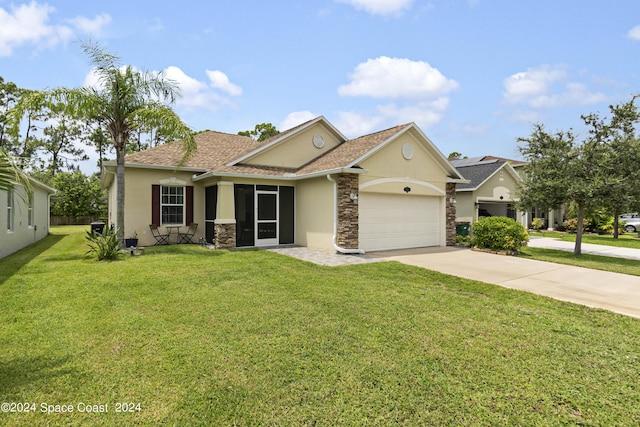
11 175
123 101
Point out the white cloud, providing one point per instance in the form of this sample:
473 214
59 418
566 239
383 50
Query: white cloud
91 26
219 80
531 84
195 94
386 77
421 90
547 87
380 7
353 124
28 23
634 33
296 118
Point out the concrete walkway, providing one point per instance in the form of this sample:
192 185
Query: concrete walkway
587 248
610 291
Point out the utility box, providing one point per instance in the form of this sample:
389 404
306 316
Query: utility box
97 227
463 229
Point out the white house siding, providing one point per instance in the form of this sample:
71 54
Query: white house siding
24 234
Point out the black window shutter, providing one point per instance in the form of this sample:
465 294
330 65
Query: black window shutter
155 204
189 206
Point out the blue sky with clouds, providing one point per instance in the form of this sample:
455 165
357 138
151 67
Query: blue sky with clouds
473 74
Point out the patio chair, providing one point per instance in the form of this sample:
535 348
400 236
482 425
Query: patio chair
186 237
161 239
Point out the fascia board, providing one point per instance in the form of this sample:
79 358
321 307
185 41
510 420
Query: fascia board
285 177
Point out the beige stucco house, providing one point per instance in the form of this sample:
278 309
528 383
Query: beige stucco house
491 190
307 186
23 220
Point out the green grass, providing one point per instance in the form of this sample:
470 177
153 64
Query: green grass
596 262
626 240
201 337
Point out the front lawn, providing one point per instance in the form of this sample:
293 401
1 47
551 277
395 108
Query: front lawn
596 262
202 337
625 240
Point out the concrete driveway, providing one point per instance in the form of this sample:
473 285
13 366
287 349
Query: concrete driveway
611 291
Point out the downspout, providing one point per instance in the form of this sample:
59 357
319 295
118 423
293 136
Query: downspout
335 223
115 182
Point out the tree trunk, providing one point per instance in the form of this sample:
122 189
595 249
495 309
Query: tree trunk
577 250
616 223
120 192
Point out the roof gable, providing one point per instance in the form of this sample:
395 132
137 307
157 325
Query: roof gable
220 154
295 147
480 173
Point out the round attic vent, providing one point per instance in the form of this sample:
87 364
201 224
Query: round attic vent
318 141
407 151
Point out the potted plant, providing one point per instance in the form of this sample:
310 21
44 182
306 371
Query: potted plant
131 241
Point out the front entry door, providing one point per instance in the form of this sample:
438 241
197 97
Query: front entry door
266 217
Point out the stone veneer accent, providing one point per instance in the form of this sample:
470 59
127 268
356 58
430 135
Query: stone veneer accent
225 236
451 214
347 233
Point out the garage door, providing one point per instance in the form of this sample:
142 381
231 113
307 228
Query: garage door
389 221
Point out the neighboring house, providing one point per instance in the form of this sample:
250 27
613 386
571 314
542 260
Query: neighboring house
491 191
308 186
22 220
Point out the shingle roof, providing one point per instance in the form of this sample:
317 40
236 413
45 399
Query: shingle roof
477 173
216 151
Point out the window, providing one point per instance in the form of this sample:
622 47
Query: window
172 205
30 211
10 209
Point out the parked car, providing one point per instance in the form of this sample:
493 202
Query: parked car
631 222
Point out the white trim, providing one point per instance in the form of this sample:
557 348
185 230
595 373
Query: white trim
224 221
161 167
272 240
173 181
285 177
402 180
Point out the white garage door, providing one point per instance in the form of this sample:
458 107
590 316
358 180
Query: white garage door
389 221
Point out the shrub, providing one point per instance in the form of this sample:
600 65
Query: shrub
571 225
105 245
499 234
537 224
463 240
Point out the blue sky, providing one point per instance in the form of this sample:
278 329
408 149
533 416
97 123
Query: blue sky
473 74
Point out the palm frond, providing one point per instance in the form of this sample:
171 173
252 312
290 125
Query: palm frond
11 175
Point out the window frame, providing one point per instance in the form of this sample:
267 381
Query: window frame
182 206
30 213
10 211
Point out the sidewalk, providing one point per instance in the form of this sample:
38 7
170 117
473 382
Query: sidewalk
587 248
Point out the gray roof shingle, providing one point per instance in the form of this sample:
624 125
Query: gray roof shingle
477 173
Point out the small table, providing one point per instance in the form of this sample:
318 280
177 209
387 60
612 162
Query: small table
170 232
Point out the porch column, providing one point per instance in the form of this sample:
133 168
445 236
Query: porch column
225 223
451 213
347 232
